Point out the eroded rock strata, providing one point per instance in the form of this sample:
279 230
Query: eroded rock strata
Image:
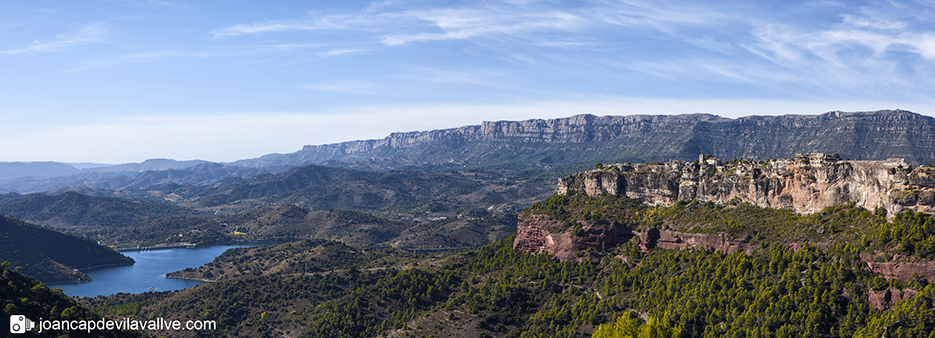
665 239
805 184
539 234
587 138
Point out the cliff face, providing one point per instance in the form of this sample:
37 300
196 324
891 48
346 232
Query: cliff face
655 238
805 184
539 234
534 234
636 138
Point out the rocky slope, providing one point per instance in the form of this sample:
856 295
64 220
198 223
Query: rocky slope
805 184
587 138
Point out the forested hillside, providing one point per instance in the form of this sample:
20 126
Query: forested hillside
319 187
72 209
415 253
795 281
24 295
52 256
498 291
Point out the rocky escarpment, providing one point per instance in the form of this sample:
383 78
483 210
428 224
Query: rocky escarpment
805 184
637 138
539 234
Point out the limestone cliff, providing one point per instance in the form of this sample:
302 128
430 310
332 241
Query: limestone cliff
543 143
805 184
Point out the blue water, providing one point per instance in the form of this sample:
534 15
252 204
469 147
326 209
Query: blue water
148 272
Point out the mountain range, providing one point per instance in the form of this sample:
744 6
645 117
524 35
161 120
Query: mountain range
637 138
577 141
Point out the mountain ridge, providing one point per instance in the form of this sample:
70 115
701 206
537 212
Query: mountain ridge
539 143
577 141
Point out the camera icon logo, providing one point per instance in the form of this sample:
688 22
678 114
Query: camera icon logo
19 324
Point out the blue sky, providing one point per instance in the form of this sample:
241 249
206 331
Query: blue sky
122 80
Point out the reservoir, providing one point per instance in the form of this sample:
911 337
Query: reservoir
148 274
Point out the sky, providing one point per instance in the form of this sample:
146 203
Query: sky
118 81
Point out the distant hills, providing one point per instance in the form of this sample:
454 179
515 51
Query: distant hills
72 209
132 217
29 177
12 170
200 174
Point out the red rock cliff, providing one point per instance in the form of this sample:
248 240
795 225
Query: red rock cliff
654 238
533 235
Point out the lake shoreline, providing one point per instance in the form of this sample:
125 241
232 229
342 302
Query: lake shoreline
149 272
202 245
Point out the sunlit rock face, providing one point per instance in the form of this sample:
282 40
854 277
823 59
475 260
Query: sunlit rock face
548 143
804 184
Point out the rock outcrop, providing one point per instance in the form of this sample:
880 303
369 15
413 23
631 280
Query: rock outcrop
885 299
538 234
805 184
901 270
655 238
899 267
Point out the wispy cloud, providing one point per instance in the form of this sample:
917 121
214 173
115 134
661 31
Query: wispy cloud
344 86
92 33
869 48
313 22
465 23
529 23
342 51
395 26
741 43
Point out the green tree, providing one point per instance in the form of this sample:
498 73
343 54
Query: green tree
626 327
